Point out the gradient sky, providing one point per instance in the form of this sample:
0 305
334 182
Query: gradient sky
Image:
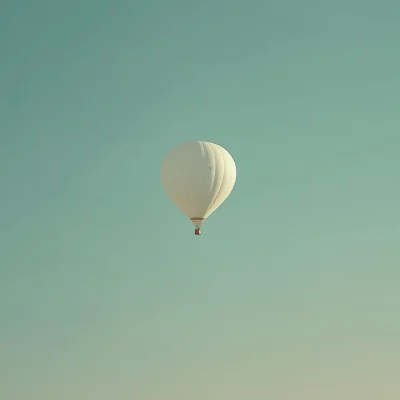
292 292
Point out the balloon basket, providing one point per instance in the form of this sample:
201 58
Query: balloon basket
197 231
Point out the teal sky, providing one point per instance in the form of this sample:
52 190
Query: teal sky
292 292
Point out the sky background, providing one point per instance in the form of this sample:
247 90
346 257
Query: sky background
292 292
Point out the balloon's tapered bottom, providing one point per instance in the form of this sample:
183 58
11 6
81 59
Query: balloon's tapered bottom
197 231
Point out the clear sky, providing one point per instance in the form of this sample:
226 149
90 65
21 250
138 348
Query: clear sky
292 292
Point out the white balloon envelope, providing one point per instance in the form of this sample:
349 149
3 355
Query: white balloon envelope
198 177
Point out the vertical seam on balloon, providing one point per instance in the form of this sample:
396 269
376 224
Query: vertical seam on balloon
223 178
227 183
223 183
202 147
211 150
204 152
215 163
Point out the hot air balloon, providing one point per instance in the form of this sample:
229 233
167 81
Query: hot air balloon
198 177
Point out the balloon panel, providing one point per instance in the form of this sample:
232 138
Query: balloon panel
198 177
